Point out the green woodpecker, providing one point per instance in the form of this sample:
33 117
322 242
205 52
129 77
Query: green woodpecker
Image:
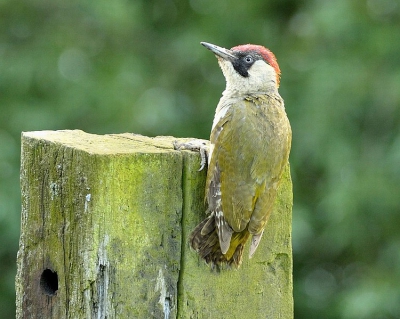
249 148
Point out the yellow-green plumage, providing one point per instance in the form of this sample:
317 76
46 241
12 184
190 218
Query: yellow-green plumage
251 158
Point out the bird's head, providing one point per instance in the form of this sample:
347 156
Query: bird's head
247 68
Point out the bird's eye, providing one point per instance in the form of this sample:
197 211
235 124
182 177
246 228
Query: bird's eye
248 59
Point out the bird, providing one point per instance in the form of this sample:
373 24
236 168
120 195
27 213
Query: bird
249 148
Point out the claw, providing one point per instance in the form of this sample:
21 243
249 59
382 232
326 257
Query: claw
177 145
204 156
196 145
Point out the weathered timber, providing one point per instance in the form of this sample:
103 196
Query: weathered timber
104 228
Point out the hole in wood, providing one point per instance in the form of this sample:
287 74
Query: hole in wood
49 282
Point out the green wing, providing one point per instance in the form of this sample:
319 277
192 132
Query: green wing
247 160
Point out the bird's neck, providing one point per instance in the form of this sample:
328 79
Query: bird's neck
237 92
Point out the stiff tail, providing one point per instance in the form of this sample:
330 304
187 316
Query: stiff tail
204 240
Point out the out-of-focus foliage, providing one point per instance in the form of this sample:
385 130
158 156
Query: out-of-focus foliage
137 66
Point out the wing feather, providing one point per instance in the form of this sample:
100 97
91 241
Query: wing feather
247 159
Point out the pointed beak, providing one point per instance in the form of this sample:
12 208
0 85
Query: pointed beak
220 52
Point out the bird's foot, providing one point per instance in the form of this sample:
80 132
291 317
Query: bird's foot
196 145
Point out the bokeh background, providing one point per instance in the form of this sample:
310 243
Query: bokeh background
137 66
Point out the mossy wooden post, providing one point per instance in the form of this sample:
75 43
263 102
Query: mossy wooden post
104 229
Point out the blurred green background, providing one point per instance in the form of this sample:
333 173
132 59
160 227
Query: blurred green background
137 66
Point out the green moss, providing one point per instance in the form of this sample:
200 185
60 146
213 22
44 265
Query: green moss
111 216
103 212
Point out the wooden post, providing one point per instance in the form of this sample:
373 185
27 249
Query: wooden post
104 228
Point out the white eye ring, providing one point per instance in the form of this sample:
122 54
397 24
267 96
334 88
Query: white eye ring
248 59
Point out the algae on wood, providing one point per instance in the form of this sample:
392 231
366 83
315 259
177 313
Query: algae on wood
104 229
103 213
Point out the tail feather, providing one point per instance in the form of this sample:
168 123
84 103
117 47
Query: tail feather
204 239
208 227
